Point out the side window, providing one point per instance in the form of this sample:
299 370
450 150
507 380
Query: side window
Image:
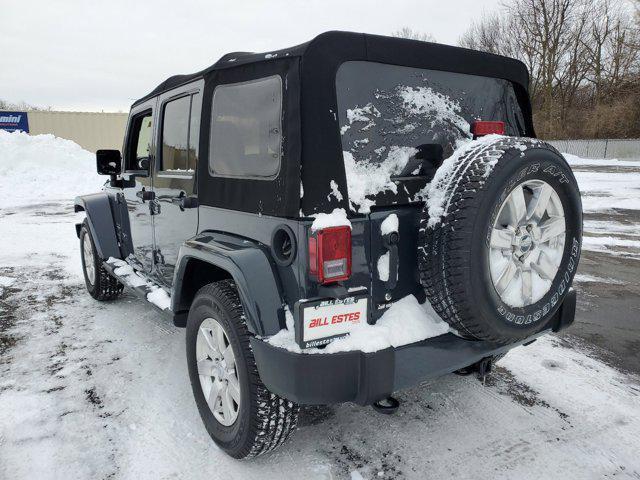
180 133
139 141
246 129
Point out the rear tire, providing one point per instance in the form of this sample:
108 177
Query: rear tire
264 420
99 282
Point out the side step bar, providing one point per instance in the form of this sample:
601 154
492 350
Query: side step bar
141 286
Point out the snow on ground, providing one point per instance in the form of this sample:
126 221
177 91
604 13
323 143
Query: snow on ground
611 202
576 161
614 185
584 278
100 390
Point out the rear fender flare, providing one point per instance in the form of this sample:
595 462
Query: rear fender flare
252 271
97 207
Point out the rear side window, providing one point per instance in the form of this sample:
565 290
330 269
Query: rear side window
180 132
246 129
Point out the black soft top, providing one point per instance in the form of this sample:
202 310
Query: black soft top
312 148
327 47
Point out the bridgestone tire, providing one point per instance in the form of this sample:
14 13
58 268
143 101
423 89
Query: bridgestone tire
105 287
454 255
265 421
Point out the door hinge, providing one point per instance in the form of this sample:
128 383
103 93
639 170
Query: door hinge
158 258
154 207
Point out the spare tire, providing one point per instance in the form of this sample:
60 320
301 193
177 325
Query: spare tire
500 238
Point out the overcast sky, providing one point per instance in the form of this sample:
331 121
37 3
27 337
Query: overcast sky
101 55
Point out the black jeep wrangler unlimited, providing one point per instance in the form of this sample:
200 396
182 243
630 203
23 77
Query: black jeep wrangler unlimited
334 222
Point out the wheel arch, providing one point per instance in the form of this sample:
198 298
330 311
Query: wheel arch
207 260
99 215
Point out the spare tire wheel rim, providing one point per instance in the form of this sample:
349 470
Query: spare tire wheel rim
89 262
527 243
217 371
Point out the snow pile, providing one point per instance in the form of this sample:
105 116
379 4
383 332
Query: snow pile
361 114
390 224
367 178
5 282
335 191
44 168
437 191
157 295
337 218
383 267
405 322
126 273
425 102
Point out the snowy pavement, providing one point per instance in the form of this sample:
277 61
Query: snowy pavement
100 390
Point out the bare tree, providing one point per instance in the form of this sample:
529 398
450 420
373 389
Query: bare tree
576 51
406 32
21 106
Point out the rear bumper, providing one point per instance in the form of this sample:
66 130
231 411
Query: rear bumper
364 378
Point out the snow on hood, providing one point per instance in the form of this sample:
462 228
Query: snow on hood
44 168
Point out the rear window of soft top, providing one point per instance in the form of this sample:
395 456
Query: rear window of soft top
386 111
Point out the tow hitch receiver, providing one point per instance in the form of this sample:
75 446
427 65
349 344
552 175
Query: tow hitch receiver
481 369
484 367
386 406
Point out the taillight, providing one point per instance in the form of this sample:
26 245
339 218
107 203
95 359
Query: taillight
481 128
330 254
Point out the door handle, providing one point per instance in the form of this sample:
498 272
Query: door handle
185 202
146 195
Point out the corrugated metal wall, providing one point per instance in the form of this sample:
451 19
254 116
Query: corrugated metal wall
602 148
90 130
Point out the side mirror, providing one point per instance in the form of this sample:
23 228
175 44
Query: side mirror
109 162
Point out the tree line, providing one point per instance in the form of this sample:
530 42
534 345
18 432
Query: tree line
584 61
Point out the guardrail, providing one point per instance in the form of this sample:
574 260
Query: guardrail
600 148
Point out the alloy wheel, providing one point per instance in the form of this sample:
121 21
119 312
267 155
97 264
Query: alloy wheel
527 243
218 372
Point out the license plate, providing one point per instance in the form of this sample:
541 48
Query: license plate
319 322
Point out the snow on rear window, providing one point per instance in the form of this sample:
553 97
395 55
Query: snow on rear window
436 107
386 112
366 178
